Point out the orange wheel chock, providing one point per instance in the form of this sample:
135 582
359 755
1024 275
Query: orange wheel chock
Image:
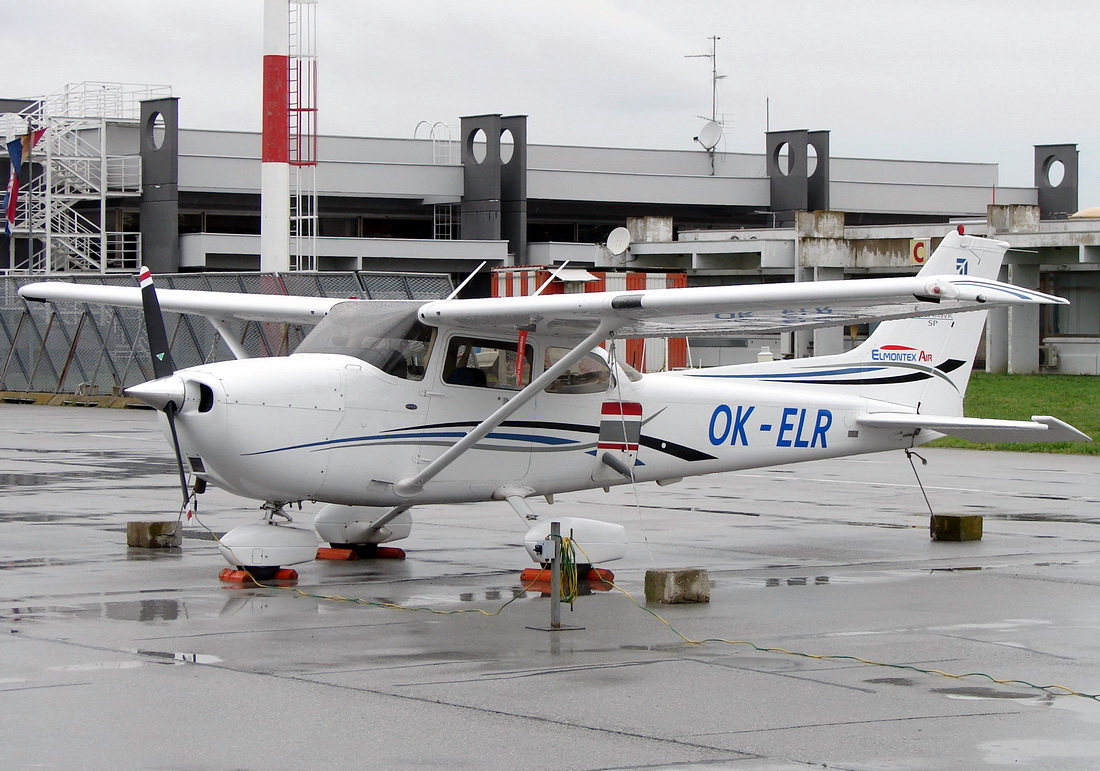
233 576
328 553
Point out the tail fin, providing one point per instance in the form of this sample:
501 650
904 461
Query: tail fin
925 363
920 364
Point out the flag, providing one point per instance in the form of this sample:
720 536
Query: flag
18 148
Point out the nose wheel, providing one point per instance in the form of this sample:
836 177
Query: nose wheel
264 547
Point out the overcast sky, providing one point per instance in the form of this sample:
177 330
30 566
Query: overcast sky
951 80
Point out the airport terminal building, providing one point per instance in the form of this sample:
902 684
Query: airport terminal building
115 182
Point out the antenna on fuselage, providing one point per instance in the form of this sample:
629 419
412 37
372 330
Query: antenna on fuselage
466 280
552 276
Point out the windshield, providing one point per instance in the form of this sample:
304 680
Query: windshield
383 333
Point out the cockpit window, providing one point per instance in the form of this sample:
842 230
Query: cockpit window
486 363
588 376
385 334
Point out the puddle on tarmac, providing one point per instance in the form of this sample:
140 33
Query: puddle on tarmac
1016 517
142 611
39 562
797 581
100 665
93 468
982 692
892 681
279 605
23 480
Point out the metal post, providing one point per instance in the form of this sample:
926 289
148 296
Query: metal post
555 577
555 586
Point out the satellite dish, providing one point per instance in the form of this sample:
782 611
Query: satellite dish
618 241
710 135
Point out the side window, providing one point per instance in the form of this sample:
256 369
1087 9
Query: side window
485 363
590 375
402 357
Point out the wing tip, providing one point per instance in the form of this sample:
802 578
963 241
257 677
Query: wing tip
1054 424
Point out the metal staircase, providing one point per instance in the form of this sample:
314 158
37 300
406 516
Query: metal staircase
62 219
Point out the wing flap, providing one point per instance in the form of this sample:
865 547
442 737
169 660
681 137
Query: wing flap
214 305
1041 428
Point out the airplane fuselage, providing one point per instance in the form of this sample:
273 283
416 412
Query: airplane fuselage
333 428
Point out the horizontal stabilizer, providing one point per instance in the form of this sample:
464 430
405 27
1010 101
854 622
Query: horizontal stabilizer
1041 428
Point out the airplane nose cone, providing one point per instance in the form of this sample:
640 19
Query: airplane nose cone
157 393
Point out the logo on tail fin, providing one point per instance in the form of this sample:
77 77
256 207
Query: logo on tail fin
899 353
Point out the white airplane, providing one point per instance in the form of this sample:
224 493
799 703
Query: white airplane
390 404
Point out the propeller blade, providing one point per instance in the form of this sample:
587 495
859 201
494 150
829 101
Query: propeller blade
165 393
170 410
163 365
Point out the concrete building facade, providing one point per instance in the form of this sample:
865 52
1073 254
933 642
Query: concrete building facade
444 205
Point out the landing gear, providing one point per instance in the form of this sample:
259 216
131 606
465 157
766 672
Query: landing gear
263 547
358 532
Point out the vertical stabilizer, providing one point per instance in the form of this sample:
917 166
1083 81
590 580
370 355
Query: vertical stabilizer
919 364
925 362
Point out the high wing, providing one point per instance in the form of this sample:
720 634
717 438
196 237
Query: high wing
725 310
216 306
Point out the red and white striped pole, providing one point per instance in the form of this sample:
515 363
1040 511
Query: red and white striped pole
275 152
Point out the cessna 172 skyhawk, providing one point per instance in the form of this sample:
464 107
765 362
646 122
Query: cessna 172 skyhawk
387 405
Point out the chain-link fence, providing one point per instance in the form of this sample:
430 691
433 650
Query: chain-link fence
95 349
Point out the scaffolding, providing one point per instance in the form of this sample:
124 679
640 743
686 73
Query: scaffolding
302 122
62 223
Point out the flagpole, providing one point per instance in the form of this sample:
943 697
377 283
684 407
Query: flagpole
30 196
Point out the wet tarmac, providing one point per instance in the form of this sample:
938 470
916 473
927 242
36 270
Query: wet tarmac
116 657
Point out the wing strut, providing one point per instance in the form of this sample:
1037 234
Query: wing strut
227 335
386 518
410 486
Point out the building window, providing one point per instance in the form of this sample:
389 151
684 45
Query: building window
1082 315
239 224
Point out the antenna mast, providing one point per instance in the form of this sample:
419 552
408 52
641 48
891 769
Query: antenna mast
715 77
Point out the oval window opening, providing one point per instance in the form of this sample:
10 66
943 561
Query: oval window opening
156 130
1056 173
478 145
783 158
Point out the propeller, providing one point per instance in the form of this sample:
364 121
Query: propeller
166 392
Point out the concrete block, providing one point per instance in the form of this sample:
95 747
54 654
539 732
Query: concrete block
955 527
677 585
154 535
